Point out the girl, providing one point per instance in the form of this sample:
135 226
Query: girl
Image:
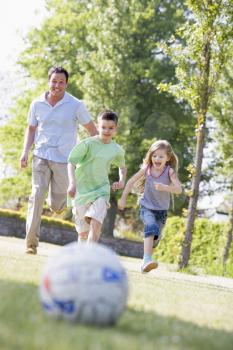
156 180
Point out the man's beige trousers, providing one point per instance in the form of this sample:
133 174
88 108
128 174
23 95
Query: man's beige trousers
46 175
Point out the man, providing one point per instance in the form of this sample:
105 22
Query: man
52 127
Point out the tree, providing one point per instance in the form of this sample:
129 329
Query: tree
199 61
222 111
110 48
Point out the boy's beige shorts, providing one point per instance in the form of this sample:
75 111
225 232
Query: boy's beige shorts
95 210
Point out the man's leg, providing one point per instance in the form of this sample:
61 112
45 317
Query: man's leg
57 198
40 182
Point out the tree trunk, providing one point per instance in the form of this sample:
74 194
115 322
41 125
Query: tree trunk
201 126
229 238
186 249
109 221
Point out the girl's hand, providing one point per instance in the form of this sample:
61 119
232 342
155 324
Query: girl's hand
121 203
160 187
71 191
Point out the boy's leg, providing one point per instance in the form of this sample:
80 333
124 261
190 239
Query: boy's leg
95 216
82 227
57 197
83 236
40 181
95 231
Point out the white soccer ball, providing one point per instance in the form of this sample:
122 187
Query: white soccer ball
84 283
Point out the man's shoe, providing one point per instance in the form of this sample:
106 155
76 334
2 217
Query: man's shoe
148 266
31 250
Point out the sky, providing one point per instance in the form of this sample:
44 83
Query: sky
16 18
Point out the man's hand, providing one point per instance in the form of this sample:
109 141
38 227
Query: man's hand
24 160
71 191
118 185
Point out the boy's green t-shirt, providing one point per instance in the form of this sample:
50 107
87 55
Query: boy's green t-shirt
93 159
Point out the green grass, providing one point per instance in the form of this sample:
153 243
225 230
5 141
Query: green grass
166 310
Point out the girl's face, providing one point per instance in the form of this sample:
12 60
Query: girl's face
159 159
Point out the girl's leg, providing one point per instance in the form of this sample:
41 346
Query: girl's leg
150 229
95 230
148 245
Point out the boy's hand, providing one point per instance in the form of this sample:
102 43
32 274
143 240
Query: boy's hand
118 185
71 190
160 187
121 203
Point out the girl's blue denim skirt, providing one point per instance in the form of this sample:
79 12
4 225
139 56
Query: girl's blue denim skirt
153 220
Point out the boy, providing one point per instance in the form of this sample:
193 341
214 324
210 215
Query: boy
89 183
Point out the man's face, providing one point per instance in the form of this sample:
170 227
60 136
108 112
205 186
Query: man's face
57 85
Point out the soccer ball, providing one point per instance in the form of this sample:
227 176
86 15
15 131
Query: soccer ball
84 283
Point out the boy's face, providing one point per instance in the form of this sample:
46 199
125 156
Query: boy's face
107 129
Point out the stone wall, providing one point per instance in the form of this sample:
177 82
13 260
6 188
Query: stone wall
10 226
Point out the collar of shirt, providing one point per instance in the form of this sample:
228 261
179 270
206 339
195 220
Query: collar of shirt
65 99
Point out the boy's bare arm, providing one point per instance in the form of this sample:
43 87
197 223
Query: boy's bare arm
71 191
122 177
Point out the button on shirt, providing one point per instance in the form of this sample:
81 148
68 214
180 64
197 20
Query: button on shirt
57 126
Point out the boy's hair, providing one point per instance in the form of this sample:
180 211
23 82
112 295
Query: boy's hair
107 114
58 70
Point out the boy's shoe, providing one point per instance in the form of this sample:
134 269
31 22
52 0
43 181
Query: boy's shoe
148 266
31 250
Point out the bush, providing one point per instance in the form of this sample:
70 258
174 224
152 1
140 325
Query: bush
44 219
208 243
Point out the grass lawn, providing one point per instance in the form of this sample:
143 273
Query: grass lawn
166 310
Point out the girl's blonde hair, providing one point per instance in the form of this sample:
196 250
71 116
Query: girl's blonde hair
165 145
147 161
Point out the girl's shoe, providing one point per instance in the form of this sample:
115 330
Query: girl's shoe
148 266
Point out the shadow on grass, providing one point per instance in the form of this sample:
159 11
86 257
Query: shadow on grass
23 325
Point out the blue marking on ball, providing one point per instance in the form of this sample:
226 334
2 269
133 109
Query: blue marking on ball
110 275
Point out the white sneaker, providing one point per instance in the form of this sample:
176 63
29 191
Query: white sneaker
148 266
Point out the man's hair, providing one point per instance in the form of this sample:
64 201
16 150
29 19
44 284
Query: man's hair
58 70
108 115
